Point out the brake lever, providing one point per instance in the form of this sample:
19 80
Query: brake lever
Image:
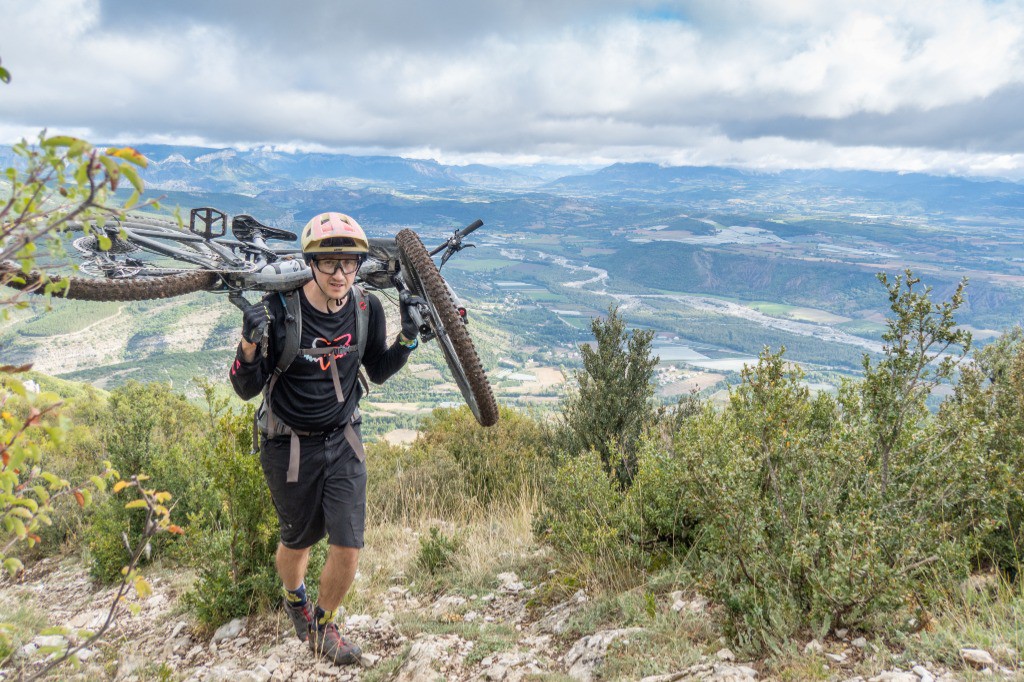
454 249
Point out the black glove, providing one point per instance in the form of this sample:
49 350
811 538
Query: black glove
406 300
256 320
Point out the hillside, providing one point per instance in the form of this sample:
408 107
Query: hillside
786 258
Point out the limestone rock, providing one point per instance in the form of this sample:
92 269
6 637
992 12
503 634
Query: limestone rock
725 655
229 630
359 621
587 654
49 641
708 672
813 647
509 582
556 620
508 666
432 656
977 658
447 604
860 643
923 673
894 676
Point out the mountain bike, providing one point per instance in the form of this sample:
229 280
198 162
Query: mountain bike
142 257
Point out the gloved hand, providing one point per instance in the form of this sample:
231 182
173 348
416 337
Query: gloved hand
405 301
256 320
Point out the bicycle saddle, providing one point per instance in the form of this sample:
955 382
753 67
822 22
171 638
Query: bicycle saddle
243 227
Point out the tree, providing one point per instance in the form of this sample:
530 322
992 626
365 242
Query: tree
613 403
923 347
57 183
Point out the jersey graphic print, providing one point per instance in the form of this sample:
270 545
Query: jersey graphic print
343 343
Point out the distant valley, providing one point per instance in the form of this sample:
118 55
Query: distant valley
719 262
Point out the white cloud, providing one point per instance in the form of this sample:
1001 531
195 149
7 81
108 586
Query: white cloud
718 82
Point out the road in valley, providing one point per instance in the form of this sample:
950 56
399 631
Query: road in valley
704 303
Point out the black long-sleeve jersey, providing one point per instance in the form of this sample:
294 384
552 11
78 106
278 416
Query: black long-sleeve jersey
304 397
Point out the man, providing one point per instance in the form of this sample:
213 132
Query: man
311 451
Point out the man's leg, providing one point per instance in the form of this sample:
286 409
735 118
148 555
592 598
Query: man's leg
337 576
291 566
344 504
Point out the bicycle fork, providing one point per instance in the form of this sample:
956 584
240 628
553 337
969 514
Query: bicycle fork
418 312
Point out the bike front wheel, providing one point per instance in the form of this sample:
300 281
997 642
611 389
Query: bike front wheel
449 327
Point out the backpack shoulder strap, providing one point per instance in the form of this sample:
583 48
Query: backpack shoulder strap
293 329
264 419
362 330
362 321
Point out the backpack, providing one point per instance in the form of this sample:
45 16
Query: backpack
264 421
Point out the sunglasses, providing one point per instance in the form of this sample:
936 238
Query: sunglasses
329 266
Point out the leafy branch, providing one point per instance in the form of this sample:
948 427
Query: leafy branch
158 520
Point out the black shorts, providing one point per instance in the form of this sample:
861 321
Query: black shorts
328 499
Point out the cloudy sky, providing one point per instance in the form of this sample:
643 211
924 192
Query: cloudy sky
935 85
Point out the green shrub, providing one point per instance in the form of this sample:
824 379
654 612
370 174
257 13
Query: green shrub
804 513
457 467
991 392
612 405
496 463
581 514
237 540
656 516
816 513
147 428
406 483
437 552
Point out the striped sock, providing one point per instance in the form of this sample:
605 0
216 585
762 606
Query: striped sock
321 618
296 597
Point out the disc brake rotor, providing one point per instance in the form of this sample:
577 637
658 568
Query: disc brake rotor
90 244
98 268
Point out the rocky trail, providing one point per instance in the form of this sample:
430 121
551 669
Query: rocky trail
497 636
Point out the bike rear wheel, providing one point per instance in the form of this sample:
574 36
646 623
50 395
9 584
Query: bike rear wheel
450 328
120 289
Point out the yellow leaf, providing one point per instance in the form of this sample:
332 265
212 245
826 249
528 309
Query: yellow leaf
130 155
120 485
142 587
136 504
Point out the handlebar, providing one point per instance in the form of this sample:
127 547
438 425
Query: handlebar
466 230
455 241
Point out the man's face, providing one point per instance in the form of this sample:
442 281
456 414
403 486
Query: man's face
335 274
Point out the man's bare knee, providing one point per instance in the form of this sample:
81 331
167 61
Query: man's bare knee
291 565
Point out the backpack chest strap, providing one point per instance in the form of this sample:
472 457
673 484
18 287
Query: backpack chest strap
329 352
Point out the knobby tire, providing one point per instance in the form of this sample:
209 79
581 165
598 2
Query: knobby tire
121 289
465 365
